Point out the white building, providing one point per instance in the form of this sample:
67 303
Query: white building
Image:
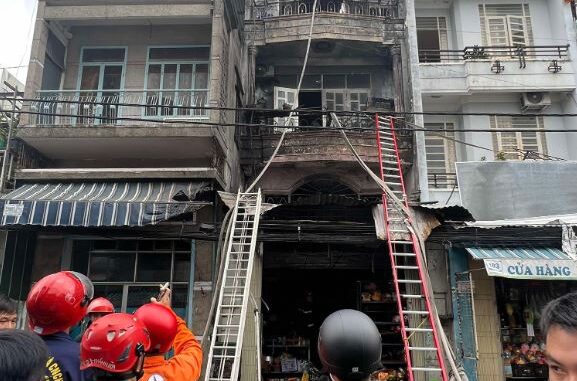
498 56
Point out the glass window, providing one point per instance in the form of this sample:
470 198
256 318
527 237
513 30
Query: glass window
110 292
127 245
103 55
358 81
312 82
80 256
180 300
201 81
289 81
181 267
139 295
112 267
153 81
153 267
180 54
107 244
334 81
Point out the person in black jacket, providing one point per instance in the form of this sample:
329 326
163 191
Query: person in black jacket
56 303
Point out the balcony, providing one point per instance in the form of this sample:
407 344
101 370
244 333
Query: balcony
148 126
496 69
443 189
118 108
316 139
359 20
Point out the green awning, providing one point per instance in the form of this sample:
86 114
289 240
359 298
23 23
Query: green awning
526 262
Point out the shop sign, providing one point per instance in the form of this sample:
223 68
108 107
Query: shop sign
532 268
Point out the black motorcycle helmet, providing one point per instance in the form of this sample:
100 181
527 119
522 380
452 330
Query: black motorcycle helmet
350 345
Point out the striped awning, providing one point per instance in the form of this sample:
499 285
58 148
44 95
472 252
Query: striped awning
100 203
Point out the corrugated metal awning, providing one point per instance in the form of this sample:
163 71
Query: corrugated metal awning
544 263
516 253
100 204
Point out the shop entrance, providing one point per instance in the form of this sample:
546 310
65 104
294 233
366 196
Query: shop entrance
303 283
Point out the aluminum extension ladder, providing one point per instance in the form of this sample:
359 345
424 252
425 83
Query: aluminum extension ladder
226 341
423 353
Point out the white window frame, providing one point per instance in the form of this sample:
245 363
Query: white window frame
509 20
197 114
503 148
446 134
442 30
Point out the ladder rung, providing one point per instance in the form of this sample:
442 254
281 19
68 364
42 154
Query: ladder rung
402 242
418 330
399 231
407 267
405 254
411 296
411 281
227 326
410 312
422 349
426 369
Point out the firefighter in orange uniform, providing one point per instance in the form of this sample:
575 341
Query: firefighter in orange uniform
168 330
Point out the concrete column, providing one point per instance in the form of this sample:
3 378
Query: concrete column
420 160
398 78
37 54
252 52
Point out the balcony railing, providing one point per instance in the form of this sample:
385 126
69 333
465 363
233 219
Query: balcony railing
111 107
442 180
521 53
263 9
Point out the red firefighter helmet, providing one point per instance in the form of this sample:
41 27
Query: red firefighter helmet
58 301
100 306
161 324
116 343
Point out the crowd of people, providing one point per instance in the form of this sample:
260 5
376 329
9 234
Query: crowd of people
133 347
110 346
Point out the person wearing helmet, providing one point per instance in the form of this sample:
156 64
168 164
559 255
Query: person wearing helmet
168 330
55 304
349 346
113 348
97 308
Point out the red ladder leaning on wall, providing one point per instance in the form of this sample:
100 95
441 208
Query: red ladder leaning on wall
419 332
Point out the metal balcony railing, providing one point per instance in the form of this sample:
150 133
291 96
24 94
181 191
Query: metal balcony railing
521 53
113 107
264 9
441 180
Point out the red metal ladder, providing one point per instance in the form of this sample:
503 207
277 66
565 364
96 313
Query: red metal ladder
418 330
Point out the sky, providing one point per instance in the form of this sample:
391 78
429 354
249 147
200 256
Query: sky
16 30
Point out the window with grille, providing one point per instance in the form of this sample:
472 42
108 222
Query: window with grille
518 144
432 37
506 25
441 154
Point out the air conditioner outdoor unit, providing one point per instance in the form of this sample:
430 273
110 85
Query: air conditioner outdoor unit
535 101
